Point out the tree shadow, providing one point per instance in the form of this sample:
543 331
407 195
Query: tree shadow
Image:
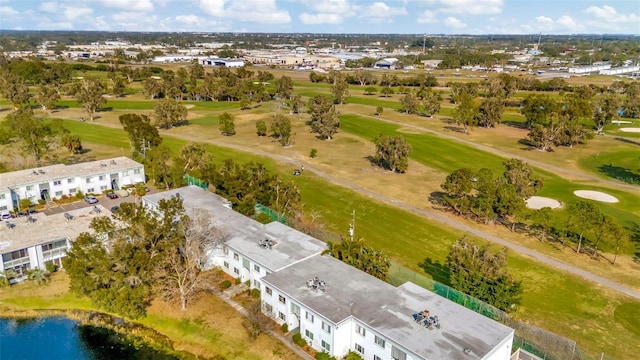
105 109
455 129
628 141
438 271
514 124
620 173
634 230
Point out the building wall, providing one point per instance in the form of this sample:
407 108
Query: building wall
37 258
501 351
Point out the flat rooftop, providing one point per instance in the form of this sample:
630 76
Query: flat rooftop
350 292
244 234
46 228
61 171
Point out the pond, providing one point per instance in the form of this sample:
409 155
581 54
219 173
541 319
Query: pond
62 338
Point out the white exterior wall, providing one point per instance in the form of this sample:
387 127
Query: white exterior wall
342 338
6 203
501 351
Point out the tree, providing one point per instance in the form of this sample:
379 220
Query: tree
37 275
194 158
631 104
543 220
458 186
119 87
36 136
168 113
325 119
410 103
261 127
519 174
143 136
256 322
295 104
281 129
392 152
430 103
585 215
159 168
339 87
153 88
508 203
227 127
490 112
90 95
47 96
538 109
387 91
605 110
15 90
379 110
357 254
480 272
73 143
370 90
284 87
181 274
466 111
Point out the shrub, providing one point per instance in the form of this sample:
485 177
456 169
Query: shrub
237 281
51 267
255 293
285 328
298 340
225 284
324 356
248 282
313 153
263 218
379 110
41 201
79 195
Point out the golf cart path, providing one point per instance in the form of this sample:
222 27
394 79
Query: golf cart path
489 149
433 215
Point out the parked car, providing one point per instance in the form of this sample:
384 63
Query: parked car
90 199
115 208
5 216
112 195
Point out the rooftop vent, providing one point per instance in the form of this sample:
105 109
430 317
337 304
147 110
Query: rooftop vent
34 172
316 284
424 318
103 164
112 162
267 243
68 217
41 171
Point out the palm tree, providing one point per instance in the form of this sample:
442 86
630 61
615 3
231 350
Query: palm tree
38 275
6 276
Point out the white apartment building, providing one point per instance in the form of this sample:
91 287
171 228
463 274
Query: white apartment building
54 181
352 310
30 242
336 307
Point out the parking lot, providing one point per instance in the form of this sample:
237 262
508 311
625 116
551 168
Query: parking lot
102 200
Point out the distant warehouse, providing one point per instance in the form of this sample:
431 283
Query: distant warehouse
589 68
620 70
230 63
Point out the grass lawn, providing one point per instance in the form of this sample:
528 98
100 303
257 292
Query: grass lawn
209 326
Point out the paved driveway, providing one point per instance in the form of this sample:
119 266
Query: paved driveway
102 200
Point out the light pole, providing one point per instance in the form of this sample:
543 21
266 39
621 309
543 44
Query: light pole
352 226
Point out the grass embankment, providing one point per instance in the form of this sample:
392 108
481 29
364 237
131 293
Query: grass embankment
208 327
410 239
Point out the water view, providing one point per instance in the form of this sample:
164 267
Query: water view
62 338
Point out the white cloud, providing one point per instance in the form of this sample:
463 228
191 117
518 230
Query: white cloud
318 19
331 6
609 14
8 11
74 12
427 17
380 10
454 23
568 23
544 21
50 7
258 11
212 7
466 7
130 5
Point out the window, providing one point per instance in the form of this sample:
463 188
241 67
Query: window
225 250
295 309
256 268
3 207
309 334
3 196
57 182
256 284
91 190
282 316
267 290
245 263
103 187
360 330
101 177
359 348
376 357
136 171
326 327
88 180
236 257
30 188
397 354
71 180
268 307
125 173
226 264
282 299
326 346
380 341
73 190
309 317
235 270
58 193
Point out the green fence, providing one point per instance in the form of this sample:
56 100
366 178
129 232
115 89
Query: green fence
274 215
190 180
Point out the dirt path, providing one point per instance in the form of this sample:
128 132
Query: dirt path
489 149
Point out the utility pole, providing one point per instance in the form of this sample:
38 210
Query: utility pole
144 147
352 226
424 43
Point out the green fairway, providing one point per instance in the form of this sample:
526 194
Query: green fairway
374 100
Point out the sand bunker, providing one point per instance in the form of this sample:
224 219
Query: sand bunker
596 195
189 106
539 202
630 129
618 122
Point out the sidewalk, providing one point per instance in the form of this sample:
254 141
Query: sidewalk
228 295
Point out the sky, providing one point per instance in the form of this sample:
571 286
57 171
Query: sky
328 16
